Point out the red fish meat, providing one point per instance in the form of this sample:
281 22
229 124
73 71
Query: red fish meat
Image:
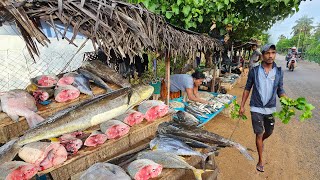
153 109
43 154
17 170
66 93
131 117
96 138
144 169
114 129
66 80
71 142
46 81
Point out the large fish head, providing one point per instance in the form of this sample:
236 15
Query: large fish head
140 93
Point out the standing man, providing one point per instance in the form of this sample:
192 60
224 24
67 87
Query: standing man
267 82
255 57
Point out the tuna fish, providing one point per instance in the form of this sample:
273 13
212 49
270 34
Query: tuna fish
71 142
96 79
153 109
42 94
202 136
131 117
114 129
105 171
167 144
186 118
79 82
66 93
20 103
191 142
80 117
43 154
105 73
144 169
96 138
46 81
170 160
17 170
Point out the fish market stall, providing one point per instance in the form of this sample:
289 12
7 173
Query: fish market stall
228 81
203 113
111 148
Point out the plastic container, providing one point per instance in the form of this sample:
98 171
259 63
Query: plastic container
157 87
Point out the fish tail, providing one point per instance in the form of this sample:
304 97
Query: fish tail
198 173
243 151
8 151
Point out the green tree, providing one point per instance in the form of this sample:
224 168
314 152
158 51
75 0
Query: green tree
241 19
304 25
282 37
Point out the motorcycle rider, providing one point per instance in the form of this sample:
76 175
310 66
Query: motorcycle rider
292 54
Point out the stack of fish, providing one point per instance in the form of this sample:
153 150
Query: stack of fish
43 155
200 110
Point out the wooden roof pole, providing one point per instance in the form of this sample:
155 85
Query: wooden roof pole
167 61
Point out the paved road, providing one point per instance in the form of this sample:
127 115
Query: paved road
303 138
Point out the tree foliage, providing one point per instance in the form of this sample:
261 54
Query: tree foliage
241 19
303 25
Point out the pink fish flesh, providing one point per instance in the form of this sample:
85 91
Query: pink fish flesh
144 169
153 109
96 138
131 117
46 81
114 129
43 154
66 93
17 170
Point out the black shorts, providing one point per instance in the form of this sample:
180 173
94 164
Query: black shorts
262 123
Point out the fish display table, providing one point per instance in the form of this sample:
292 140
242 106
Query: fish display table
111 148
10 129
202 120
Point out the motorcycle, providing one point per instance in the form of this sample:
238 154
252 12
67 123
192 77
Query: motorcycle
292 64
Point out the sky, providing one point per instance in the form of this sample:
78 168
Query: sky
309 8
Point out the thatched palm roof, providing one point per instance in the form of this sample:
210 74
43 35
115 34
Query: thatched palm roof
126 28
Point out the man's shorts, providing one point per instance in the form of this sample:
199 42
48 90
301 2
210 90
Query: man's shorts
262 123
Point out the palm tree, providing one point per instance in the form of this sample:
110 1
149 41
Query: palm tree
304 24
282 37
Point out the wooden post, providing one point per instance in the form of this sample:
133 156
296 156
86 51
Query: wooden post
168 76
213 81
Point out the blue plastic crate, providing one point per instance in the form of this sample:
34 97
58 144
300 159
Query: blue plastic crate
210 116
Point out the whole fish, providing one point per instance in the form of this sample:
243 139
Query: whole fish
195 112
17 103
170 160
186 119
105 73
104 171
201 135
96 79
191 142
79 117
167 144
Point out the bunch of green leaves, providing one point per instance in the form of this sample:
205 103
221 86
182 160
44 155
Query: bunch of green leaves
235 111
290 105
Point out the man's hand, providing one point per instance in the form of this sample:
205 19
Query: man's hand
242 110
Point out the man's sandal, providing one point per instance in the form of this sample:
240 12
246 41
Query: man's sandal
260 168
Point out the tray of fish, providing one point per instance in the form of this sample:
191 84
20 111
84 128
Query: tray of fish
204 112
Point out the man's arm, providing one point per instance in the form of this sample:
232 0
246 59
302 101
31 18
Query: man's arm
280 90
195 92
246 91
192 97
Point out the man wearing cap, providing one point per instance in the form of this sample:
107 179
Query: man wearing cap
267 82
292 53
